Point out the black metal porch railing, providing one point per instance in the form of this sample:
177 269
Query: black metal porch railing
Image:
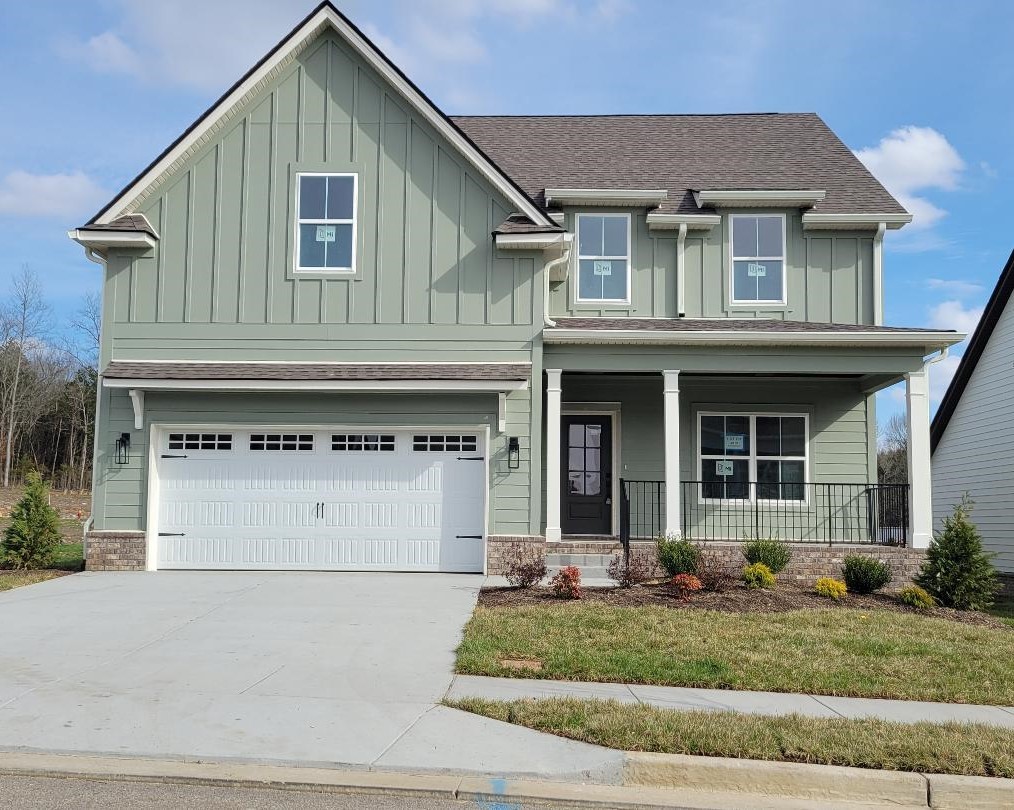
804 512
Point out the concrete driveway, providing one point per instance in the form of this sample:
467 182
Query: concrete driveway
308 668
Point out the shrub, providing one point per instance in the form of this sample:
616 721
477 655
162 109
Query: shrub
916 597
771 551
626 573
567 583
34 531
958 572
758 575
864 574
831 588
677 555
685 586
714 572
525 566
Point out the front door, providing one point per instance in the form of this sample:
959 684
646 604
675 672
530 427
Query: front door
587 475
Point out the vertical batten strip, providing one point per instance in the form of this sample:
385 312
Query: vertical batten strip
405 236
378 243
244 197
216 234
188 246
269 253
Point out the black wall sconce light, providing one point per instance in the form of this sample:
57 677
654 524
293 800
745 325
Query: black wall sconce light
123 448
513 453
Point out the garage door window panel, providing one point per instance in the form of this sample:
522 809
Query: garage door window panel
282 442
200 441
363 442
450 443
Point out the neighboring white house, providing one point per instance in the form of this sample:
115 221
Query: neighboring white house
972 436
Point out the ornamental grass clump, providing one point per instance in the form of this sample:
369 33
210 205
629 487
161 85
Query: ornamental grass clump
958 572
677 556
758 575
771 551
864 574
916 597
567 583
34 530
831 588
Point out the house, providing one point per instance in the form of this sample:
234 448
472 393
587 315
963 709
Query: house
971 437
342 330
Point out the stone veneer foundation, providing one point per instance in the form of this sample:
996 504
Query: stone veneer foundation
115 551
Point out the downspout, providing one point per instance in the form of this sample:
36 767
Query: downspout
564 256
878 275
681 238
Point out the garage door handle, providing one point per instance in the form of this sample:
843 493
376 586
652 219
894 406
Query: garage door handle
469 536
166 455
471 458
171 534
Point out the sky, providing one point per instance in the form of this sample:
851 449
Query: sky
95 89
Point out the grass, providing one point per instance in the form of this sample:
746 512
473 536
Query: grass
15 579
832 652
955 748
1003 608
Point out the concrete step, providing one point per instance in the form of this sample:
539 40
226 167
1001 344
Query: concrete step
589 572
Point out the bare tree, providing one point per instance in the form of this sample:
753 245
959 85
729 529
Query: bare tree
892 453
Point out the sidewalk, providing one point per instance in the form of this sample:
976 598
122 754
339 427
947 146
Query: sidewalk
777 703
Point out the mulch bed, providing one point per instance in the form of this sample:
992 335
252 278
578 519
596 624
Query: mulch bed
738 599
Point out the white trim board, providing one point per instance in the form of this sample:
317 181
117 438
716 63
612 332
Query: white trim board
325 16
380 386
927 340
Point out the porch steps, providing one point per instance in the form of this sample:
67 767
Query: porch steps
593 566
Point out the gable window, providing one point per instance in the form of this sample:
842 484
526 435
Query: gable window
752 456
758 258
326 223
603 257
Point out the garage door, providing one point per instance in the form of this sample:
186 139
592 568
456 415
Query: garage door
321 500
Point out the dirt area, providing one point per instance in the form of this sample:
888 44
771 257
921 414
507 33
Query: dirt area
738 599
71 504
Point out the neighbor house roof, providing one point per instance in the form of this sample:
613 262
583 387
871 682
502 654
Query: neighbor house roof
681 154
154 370
976 346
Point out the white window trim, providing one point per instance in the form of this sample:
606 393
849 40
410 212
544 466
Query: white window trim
577 259
354 221
748 303
753 458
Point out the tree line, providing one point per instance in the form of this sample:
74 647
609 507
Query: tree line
47 387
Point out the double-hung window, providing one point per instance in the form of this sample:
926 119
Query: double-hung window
326 223
603 257
758 258
753 456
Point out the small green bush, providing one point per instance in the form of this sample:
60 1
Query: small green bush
677 556
831 588
864 574
771 551
916 597
758 575
34 531
958 572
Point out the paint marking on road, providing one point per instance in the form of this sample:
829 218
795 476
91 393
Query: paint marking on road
497 787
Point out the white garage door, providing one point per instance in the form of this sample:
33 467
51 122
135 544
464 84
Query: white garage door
321 500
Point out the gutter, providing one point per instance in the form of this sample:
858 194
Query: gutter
935 340
547 267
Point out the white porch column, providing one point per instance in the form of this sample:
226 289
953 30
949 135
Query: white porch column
671 409
554 393
920 493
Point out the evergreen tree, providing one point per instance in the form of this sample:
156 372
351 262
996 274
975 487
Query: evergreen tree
958 572
34 530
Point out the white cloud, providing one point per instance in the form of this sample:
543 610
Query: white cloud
954 286
910 161
954 315
106 53
50 195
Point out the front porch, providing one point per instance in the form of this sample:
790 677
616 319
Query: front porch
751 455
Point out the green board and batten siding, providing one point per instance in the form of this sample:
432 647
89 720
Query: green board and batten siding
429 286
829 276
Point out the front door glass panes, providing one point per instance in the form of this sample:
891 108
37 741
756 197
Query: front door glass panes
584 459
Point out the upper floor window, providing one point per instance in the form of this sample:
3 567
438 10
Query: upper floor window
603 257
758 259
326 223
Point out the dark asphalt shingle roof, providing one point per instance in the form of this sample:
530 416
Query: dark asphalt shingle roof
142 370
519 223
129 222
721 325
681 153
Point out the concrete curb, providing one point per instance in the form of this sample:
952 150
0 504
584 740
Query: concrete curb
650 781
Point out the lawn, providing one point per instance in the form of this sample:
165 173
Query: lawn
68 557
1003 609
955 748
841 651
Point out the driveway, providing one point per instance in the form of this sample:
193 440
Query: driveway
308 668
